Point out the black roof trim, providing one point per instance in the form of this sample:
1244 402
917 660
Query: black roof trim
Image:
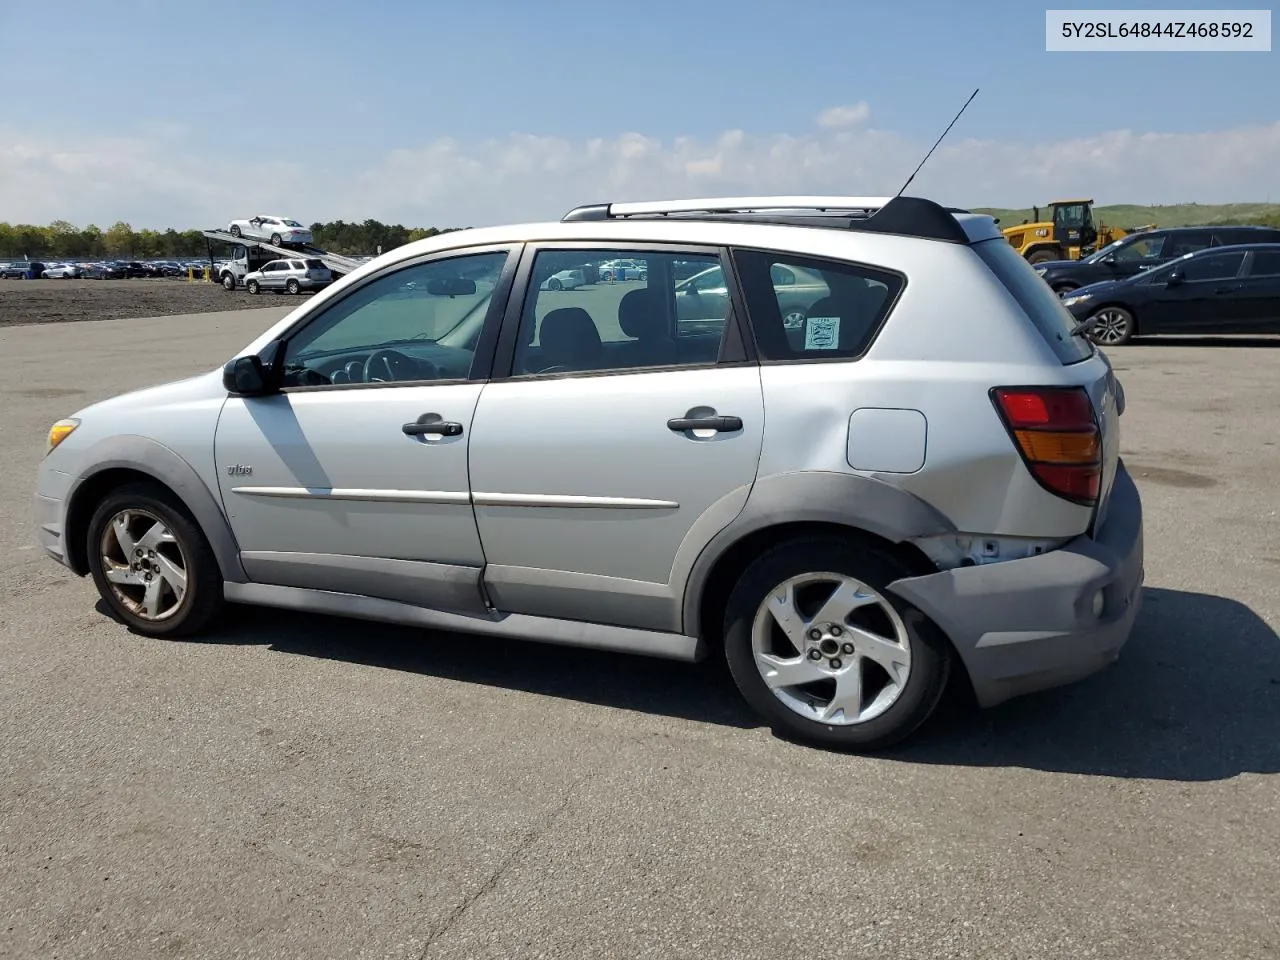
904 216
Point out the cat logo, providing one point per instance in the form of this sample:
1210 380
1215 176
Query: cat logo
239 470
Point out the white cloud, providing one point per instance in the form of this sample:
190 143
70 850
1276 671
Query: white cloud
844 116
163 180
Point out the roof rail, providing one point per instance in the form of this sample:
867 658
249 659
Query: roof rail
908 216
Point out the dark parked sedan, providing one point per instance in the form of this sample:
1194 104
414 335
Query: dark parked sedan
1139 252
1216 290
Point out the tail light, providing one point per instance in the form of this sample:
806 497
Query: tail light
1057 434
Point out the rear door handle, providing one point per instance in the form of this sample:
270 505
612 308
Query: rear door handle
723 424
423 426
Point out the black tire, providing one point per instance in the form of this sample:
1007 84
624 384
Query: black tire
293 287
252 287
203 599
1042 256
228 282
275 239
235 231
1115 334
931 653
554 284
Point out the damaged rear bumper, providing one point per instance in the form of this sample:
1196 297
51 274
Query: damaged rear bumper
1043 621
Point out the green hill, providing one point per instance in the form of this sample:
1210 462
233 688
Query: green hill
1171 215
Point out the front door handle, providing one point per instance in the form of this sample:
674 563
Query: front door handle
430 423
723 424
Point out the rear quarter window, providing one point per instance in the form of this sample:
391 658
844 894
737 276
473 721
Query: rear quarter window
1037 300
805 308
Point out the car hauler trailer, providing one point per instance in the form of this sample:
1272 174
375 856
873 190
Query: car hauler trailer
248 255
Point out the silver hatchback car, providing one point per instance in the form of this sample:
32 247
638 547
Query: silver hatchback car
904 468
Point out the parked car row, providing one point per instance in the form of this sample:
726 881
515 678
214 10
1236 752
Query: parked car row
97 270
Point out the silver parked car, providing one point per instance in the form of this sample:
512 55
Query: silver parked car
289 276
920 478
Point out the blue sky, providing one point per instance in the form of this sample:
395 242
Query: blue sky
172 111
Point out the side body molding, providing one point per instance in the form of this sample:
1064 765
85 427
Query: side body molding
147 456
847 499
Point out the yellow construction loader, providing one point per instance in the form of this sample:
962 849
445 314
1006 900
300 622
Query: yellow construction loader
1068 234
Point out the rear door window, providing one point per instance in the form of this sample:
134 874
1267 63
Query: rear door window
1036 298
1266 263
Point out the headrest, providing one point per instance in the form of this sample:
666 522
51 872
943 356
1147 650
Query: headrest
639 316
568 329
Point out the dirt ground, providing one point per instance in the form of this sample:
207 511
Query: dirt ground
55 301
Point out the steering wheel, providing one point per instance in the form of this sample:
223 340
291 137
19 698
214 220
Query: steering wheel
384 366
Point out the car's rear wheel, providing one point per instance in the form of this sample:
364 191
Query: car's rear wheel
825 654
252 287
275 239
151 564
1112 327
293 287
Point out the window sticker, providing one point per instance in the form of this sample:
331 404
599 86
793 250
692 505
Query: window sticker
822 333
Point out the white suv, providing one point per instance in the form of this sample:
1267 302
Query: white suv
872 455
289 276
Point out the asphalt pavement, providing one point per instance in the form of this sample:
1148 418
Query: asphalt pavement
295 786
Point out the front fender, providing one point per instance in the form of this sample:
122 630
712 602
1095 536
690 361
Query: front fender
146 456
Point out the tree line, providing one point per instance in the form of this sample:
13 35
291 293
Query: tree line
62 240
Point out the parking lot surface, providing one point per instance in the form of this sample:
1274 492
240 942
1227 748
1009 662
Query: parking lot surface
295 786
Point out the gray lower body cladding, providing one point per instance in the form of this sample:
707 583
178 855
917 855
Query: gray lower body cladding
1038 622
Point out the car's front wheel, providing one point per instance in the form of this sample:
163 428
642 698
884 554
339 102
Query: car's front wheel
1112 327
822 651
151 563
228 281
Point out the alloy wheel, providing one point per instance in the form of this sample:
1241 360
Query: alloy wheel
144 564
831 648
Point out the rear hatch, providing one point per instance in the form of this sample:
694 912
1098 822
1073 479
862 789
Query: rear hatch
1083 364
316 270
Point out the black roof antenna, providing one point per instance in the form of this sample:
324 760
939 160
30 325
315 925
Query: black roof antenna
939 140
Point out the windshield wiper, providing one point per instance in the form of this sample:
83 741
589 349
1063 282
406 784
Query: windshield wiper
1084 326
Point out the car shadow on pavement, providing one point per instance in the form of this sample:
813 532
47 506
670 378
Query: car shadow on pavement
1195 696
702 692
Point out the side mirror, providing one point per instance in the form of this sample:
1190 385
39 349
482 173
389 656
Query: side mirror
253 375
1175 277
1110 258
245 376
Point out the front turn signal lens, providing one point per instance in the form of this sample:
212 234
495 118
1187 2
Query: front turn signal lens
60 431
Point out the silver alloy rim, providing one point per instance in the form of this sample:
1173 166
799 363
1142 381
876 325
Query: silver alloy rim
1109 327
144 564
831 648
793 319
